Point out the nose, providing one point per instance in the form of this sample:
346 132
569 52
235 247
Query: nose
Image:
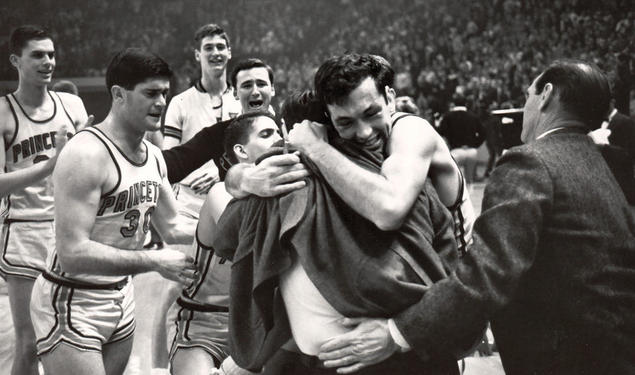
160 101
363 131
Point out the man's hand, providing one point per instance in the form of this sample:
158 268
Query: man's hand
276 175
306 135
174 265
600 136
61 137
87 124
368 343
203 182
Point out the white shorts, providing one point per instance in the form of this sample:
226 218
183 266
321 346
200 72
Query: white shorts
85 319
208 330
25 246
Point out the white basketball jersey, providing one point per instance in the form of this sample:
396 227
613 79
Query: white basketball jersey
33 142
124 213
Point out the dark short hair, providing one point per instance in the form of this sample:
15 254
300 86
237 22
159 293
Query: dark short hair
247 64
22 35
582 88
132 66
303 105
210 29
338 76
238 130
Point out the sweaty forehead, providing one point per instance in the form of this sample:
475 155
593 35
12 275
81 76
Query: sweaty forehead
253 74
359 100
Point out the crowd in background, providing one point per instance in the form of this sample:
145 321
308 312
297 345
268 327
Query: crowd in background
486 50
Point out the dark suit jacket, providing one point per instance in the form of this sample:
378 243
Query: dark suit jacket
552 267
622 129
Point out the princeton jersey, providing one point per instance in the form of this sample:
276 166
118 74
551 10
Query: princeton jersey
33 142
123 215
211 286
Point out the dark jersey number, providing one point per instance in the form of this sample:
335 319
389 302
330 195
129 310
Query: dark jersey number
133 222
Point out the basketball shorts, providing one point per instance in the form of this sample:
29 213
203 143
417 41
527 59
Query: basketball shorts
25 246
85 319
187 328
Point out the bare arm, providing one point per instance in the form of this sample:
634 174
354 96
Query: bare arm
276 175
384 198
75 107
78 187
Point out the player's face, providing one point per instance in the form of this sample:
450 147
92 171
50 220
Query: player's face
364 117
37 61
146 102
213 54
264 133
254 89
531 112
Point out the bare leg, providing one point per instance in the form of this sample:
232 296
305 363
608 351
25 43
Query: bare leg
116 356
65 359
25 360
194 361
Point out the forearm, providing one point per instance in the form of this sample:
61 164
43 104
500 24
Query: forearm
96 258
181 232
13 181
368 193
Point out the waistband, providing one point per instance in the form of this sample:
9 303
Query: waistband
202 307
9 221
83 285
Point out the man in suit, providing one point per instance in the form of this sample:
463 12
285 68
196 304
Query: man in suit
552 262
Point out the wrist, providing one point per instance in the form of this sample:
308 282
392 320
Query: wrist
316 149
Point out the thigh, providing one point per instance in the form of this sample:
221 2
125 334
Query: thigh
194 361
65 359
116 355
25 246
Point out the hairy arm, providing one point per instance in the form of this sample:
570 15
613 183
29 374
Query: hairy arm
384 198
78 187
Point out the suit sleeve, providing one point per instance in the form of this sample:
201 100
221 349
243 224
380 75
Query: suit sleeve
187 157
516 201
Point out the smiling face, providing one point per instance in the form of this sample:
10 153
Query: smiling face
364 116
213 54
37 61
144 104
254 89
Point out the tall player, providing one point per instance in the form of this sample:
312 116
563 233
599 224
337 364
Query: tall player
110 182
34 123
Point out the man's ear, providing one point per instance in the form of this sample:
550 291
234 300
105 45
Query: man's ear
273 91
13 58
117 92
239 150
390 97
548 94
229 53
197 55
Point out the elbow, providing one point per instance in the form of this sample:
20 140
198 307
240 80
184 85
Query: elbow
390 218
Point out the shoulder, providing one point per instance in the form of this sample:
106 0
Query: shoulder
412 132
7 120
72 102
84 158
156 154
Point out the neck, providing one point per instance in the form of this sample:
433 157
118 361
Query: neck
560 122
214 84
31 95
122 133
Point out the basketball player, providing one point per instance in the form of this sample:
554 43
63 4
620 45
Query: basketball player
110 183
254 88
199 332
34 123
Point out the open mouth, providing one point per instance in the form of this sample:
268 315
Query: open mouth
255 104
156 116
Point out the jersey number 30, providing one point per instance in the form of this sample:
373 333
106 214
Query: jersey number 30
133 224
